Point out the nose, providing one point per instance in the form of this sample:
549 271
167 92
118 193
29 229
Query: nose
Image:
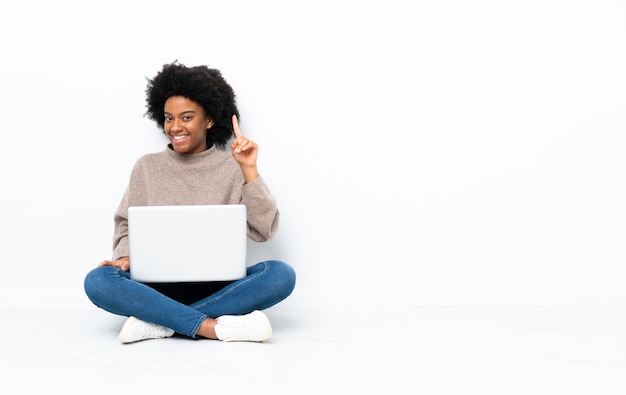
175 126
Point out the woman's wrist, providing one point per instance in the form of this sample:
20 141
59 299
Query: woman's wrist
250 173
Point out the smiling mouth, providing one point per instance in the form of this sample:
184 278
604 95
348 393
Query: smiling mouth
179 137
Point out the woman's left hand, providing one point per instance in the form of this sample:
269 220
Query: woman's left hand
245 152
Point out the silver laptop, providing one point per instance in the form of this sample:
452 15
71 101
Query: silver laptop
187 243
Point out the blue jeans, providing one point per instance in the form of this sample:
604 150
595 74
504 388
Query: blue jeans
266 284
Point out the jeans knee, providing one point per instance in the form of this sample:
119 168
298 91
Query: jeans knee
92 279
284 277
97 283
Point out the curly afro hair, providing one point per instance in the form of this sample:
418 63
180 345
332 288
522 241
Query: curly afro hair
200 84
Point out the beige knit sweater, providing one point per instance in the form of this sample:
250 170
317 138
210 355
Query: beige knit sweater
210 177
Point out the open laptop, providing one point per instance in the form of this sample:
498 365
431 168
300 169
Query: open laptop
187 243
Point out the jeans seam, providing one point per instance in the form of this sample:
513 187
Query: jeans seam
197 325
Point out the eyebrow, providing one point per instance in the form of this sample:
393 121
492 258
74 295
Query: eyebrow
184 112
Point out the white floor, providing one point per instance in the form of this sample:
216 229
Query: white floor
419 350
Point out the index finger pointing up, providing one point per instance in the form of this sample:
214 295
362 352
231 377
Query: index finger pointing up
236 127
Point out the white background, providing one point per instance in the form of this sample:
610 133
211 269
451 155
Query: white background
422 152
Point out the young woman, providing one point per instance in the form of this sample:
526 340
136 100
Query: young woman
196 108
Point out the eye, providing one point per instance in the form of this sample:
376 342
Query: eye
168 118
187 118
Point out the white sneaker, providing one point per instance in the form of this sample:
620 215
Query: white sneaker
135 330
253 327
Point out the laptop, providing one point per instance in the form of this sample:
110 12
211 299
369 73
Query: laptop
187 243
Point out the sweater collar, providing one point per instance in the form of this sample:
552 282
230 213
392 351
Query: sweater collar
190 158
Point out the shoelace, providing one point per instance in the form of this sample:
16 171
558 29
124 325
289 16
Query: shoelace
153 330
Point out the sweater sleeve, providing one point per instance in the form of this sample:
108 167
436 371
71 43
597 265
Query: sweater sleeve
120 233
262 211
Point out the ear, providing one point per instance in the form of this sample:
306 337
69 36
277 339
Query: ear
210 123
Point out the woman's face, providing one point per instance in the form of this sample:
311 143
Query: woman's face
186 125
